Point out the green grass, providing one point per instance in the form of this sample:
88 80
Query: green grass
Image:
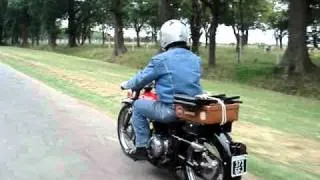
290 114
256 67
296 115
266 169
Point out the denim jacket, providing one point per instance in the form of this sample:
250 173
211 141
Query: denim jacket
176 71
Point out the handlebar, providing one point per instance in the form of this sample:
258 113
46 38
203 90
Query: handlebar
136 93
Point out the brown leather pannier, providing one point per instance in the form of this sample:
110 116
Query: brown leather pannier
208 114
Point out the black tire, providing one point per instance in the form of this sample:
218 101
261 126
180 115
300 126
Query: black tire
217 171
126 135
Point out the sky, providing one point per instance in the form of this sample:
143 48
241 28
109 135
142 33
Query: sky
225 36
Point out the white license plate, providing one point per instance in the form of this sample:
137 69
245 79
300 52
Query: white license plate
238 165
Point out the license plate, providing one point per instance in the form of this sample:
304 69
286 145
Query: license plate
238 165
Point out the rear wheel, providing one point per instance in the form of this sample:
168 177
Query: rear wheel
210 162
125 130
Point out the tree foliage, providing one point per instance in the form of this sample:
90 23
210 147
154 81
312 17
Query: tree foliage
279 21
25 20
138 12
3 10
243 15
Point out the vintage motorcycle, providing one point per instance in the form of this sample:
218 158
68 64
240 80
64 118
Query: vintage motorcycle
198 144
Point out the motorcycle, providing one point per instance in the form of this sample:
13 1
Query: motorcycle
198 144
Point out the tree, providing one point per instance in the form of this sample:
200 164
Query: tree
243 15
314 22
296 59
154 22
116 9
193 11
205 24
217 9
72 28
3 10
51 11
89 14
314 36
278 20
139 12
103 19
166 10
18 21
34 7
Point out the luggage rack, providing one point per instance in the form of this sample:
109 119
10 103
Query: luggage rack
204 109
196 101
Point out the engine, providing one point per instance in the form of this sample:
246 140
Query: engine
158 148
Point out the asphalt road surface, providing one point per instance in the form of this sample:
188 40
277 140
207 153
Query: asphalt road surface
47 135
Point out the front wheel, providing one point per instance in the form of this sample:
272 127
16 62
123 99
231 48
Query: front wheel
125 130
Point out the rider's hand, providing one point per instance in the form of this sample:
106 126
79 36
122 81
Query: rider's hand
123 85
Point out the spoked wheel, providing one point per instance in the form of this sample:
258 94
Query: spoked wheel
210 162
126 133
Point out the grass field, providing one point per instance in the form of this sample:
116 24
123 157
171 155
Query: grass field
281 131
256 67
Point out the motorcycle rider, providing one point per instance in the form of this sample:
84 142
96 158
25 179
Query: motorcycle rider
175 71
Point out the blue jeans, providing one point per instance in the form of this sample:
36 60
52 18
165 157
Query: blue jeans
153 110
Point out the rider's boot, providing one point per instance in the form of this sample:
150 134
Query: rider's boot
139 154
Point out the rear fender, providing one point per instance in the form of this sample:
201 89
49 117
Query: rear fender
223 142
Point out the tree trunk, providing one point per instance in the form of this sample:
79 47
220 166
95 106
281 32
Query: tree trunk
245 35
32 41
103 38
1 33
78 38
239 41
83 39
315 40
52 33
212 47
195 25
165 11
71 23
37 40
280 42
53 39
138 37
89 37
119 47
24 34
3 9
215 12
296 59
154 34
237 36
207 37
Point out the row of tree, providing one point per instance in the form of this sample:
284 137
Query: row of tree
21 20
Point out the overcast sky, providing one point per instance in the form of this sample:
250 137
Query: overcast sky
225 35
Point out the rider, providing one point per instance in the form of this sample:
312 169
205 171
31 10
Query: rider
175 71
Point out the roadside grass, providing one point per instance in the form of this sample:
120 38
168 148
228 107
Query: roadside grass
294 117
256 68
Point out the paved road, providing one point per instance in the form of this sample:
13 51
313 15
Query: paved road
47 135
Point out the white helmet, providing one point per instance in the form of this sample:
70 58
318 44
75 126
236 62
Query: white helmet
173 31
